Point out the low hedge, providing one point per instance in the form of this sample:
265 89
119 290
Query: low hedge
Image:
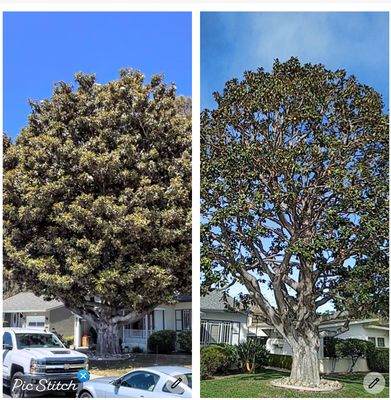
162 342
279 361
184 341
215 358
231 352
378 360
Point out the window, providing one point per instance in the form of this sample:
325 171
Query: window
186 320
36 324
380 342
220 332
140 380
7 341
178 320
372 340
182 320
31 340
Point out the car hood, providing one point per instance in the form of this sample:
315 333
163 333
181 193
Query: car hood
54 352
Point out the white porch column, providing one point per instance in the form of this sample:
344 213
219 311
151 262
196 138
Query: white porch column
146 328
77 332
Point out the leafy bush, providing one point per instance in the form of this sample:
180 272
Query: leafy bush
280 361
69 340
137 349
353 348
214 358
232 354
252 355
184 341
162 342
378 360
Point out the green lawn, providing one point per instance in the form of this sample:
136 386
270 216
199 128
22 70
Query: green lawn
258 385
120 367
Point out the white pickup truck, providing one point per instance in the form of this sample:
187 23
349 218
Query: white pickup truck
37 361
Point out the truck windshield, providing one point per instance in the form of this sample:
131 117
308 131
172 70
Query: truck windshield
28 340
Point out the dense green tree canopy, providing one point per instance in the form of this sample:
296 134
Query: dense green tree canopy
97 197
294 186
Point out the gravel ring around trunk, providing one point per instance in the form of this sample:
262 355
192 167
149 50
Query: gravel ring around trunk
324 386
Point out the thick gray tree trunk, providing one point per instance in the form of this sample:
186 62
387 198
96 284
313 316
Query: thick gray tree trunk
108 340
305 360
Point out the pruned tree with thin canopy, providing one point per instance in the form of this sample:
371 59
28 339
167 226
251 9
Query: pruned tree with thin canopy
294 186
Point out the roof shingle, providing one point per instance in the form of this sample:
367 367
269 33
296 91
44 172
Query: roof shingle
28 302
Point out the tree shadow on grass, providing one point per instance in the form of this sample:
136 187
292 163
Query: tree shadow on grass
263 375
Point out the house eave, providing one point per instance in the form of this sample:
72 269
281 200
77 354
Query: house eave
379 327
33 311
217 310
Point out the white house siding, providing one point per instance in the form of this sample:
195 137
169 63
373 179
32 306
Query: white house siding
327 365
278 346
360 331
164 317
241 319
171 317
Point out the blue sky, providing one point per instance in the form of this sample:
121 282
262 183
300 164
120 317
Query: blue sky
234 42
43 48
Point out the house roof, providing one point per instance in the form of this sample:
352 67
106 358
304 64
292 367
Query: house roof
29 302
372 323
379 327
182 298
214 301
340 322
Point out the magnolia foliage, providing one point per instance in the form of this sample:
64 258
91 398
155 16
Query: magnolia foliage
97 199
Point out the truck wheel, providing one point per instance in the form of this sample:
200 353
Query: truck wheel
17 392
85 395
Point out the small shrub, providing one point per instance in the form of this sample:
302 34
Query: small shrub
137 349
378 360
280 361
252 355
69 340
162 342
184 341
352 348
231 352
214 359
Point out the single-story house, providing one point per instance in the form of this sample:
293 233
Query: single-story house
177 317
29 311
26 310
221 320
365 329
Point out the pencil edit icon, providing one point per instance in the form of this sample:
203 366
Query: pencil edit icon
374 383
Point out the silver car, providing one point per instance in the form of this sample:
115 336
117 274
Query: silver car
142 382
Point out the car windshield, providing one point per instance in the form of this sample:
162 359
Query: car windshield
29 340
188 376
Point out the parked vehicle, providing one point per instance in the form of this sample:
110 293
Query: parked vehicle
143 382
36 360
